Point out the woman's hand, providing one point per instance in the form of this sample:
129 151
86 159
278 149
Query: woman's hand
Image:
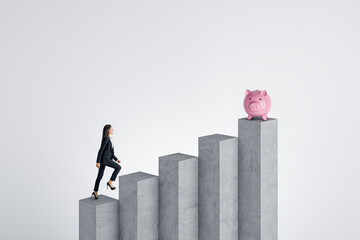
118 161
97 165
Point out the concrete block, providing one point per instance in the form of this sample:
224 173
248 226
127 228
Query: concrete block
138 206
258 179
218 187
98 219
178 197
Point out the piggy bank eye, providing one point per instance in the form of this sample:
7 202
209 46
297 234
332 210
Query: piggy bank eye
260 99
249 98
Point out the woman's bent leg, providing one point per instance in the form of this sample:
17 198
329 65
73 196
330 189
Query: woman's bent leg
116 167
99 176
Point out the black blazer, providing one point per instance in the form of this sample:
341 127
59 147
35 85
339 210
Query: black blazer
106 151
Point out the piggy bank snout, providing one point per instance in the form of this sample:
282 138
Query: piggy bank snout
254 106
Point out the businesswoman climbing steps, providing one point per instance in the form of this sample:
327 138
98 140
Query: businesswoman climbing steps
105 158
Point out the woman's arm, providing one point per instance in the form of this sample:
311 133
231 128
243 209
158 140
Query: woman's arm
116 159
104 142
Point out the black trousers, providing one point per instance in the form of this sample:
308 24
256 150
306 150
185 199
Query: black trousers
111 164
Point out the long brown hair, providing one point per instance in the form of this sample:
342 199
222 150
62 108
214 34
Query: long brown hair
106 131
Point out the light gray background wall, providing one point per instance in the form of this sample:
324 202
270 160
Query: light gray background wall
164 73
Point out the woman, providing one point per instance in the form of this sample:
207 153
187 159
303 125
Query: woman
105 158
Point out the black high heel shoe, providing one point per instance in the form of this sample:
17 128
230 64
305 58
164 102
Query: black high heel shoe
95 195
108 185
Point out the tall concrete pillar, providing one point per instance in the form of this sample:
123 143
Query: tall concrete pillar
178 197
138 206
218 187
98 219
258 183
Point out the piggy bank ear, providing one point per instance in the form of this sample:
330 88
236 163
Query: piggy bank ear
247 92
263 92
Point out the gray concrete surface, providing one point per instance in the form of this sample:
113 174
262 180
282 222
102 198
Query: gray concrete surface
218 187
138 206
98 219
178 197
258 183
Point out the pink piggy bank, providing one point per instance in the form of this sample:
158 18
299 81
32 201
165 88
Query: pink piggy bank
257 103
